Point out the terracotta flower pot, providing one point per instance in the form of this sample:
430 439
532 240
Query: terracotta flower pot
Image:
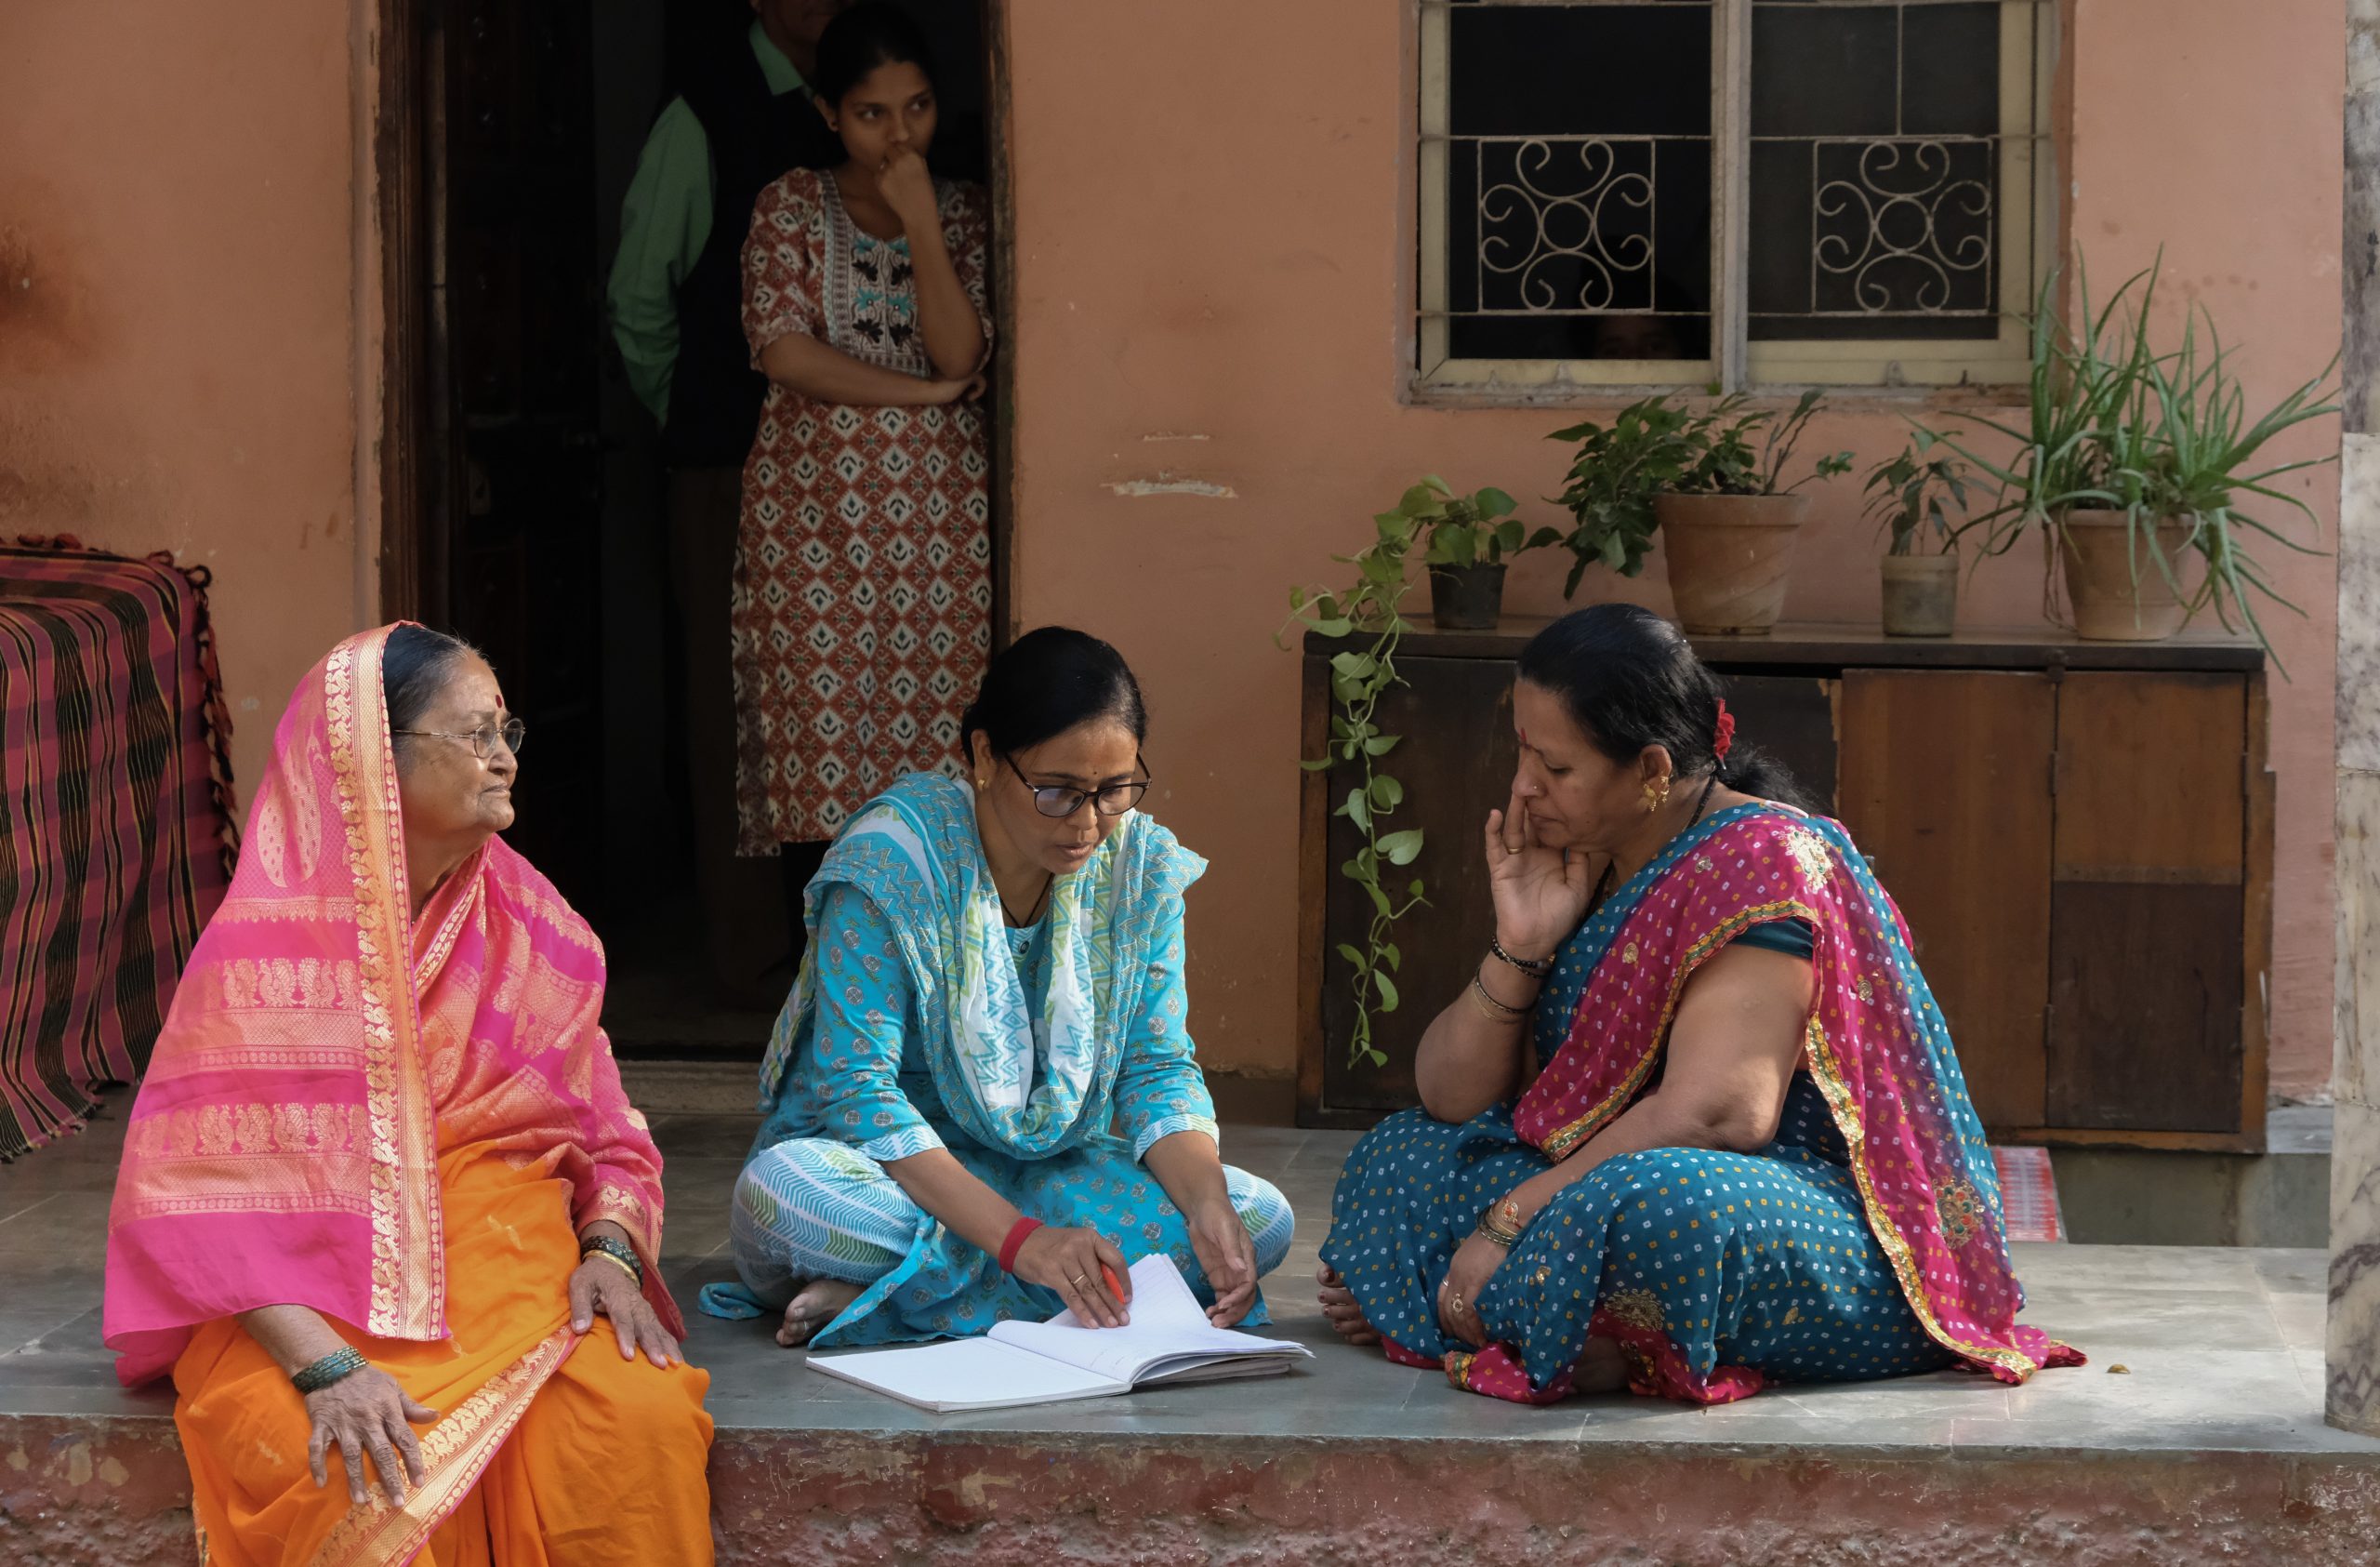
1730 558
1921 595
1466 598
2100 557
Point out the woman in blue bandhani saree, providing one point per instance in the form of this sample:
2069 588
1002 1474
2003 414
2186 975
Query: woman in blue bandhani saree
981 1099
1750 1156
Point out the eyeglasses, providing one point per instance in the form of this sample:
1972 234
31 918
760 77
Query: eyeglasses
483 739
1058 799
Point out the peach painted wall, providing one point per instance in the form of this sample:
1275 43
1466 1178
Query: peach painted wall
1212 227
178 263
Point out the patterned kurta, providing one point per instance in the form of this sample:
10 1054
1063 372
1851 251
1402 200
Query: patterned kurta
862 606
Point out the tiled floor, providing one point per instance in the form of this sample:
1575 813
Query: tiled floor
2222 1348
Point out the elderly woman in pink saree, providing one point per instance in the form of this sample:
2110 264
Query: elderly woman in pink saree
382 1192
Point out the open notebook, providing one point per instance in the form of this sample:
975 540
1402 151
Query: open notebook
1169 1340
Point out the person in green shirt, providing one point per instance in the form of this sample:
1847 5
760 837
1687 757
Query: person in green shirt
742 116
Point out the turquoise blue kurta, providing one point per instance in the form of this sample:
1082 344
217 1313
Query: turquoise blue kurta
862 1090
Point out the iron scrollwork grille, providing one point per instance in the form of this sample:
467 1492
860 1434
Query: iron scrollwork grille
1903 228
1876 170
1575 198
1565 224
1852 195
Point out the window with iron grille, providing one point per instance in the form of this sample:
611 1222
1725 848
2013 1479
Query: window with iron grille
1752 192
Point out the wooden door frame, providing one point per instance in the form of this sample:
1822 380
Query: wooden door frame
405 134
399 148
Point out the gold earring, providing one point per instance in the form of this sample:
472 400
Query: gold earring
982 783
1657 793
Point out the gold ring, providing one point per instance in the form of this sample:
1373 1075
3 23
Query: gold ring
1082 1279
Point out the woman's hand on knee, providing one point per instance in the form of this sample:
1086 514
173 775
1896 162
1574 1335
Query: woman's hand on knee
1228 1256
1075 1261
599 1286
365 1412
1475 1264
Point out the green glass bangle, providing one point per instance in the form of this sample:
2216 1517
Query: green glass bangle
333 1367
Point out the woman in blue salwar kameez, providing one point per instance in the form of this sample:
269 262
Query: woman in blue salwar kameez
982 1099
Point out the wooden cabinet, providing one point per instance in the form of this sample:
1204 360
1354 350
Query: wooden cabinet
2079 834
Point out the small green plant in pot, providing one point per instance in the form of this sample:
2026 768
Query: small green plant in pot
1469 538
1713 483
2138 467
1911 496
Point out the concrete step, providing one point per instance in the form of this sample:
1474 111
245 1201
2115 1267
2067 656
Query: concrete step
2194 1435
2141 1197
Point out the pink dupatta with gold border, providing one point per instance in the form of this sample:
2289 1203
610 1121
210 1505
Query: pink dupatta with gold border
323 1050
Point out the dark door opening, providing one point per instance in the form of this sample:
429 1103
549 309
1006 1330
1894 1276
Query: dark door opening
523 484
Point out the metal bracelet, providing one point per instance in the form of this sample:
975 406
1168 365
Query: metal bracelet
619 1251
1504 1235
1502 1224
598 1252
1490 1008
1535 968
339 1365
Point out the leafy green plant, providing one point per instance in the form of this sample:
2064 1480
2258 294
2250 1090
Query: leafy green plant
1907 494
1656 445
2114 423
1725 460
1618 470
1465 530
1367 613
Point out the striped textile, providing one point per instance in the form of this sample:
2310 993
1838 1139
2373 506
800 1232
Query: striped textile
2029 1194
117 818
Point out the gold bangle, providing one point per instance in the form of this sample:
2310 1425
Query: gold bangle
615 1262
1501 1234
1481 980
1489 1007
1502 1223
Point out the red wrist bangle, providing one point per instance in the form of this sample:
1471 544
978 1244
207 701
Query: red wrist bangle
1015 1242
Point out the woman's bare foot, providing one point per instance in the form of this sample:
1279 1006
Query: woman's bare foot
1338 1305
813 1306
1600 1368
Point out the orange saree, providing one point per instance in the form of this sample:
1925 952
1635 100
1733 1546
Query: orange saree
403 1125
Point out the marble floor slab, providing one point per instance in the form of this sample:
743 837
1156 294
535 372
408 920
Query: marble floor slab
2220 1348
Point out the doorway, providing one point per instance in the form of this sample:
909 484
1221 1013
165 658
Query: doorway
522 482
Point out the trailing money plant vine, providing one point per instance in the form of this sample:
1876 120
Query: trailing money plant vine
1442 527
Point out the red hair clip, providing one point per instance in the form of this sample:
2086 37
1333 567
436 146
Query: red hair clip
1725 740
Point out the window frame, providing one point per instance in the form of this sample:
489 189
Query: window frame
2026 235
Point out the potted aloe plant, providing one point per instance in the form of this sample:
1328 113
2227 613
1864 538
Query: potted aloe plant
1468 541
2140 466
1910 496
1713 483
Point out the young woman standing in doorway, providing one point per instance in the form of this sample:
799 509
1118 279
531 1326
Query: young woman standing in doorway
862 601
